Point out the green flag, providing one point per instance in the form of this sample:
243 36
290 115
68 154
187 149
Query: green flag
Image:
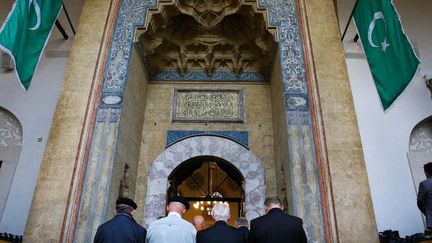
25 33
389 53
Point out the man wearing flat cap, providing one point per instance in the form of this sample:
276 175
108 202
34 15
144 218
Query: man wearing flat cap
121 228
172 228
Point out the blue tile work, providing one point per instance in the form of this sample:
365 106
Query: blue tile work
216 76
131 14
283 14
241 137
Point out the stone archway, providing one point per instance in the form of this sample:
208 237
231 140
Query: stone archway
244 160
11 136
420 149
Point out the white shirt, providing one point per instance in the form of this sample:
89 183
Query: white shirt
171 229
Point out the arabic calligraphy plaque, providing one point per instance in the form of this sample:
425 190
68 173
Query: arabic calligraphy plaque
192 105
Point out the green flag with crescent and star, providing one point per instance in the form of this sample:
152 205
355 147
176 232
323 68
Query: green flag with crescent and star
389 53
25 33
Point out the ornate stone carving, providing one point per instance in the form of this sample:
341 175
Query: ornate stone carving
207 35
421 137
10 129
208 13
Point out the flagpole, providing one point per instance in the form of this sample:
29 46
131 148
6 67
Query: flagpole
68 18
62 31
349 21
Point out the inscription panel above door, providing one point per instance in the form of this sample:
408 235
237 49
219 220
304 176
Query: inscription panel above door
208 105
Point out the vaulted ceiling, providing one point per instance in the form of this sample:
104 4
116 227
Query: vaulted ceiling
207 36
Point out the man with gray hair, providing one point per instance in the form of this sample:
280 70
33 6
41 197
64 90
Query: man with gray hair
220 231
276 226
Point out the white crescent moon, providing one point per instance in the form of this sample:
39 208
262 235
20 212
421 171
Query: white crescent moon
38 14
377 15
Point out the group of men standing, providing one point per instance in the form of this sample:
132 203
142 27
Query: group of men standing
273 227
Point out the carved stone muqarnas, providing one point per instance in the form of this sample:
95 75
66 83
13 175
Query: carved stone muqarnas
207 35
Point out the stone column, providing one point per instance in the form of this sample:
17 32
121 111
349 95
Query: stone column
64 148
341 150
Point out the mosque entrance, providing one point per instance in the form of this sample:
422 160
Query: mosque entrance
206 181
214 80
218 170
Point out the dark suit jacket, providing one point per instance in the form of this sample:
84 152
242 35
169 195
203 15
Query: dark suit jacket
122 228
245 231
424 200
220 232
277 227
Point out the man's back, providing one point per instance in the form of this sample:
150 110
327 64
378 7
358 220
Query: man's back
425 200
245 232
171 229
122 228
277 227
220 232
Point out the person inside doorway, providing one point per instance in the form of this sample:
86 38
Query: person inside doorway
199 222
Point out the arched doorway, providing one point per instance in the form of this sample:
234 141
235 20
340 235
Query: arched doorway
420 149
206 181
11 135
230 154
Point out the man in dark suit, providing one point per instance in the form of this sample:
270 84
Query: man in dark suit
121 228
424 199
242 224
276 226
220 232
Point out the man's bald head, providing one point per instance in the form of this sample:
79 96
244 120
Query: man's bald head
198 222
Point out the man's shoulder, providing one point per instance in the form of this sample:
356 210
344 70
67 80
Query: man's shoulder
218 229
268 218
205 231
171 220
109 223
258 219
104 226
138 226
426 181
295 218
118 221
162 221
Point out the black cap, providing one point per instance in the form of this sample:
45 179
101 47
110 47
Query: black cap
126 201
181 200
